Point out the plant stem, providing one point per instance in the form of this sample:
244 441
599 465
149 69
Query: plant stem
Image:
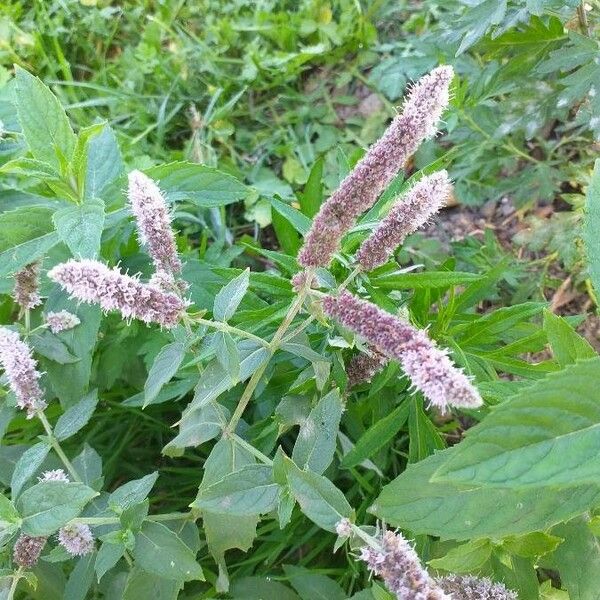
273 346
219 326
583 20
96 521
244 444
15 582
56 445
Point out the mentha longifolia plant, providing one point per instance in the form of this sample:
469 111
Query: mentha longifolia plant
65 514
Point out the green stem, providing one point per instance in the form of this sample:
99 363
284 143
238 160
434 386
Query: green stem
273 346
219 326
55 444
96 521
15 582
244 444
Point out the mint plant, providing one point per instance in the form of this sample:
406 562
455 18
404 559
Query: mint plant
298 382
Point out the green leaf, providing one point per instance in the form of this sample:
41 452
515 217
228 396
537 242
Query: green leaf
478 20
227 354
424 438
229 297
15 258
299 222
24 224
462 512
204 186
80 227
532 545
319 499
88 466
591 227
161 551
43 120
104 163
577 559
567 345
165 365
377 436
10 520
108 556
249 491
427 279
554 430
224 531
464 558
288 238
313 586
312 196
198 426
131 493
76 417
81 578
315 445
49 505
71 381
141 584
260 588
52 347
31 460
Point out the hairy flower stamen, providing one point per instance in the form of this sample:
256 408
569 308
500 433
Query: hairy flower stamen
420 203
396 562
21 371
467 587
427 366
27 550
371 176
61 321
76 539
26 291
93 282
153 221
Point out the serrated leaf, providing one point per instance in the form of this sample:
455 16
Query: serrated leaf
49 505
313 586
377 436
31 460
461 512
108 556
104 163
299 222
76 416
319 499
15 258
248 491
131 493
161 551
567 345
465 557
578 559
165 365
554 430
43 120
204 186
227 354
230 296
52 347
9 520
80 227
315 445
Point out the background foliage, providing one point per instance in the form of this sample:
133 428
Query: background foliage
249 113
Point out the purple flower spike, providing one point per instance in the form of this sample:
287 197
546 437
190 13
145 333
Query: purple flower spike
420 203
371 176
93 282
21 371
153 221
427 366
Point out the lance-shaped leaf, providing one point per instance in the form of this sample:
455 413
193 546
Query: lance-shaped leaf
548 434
